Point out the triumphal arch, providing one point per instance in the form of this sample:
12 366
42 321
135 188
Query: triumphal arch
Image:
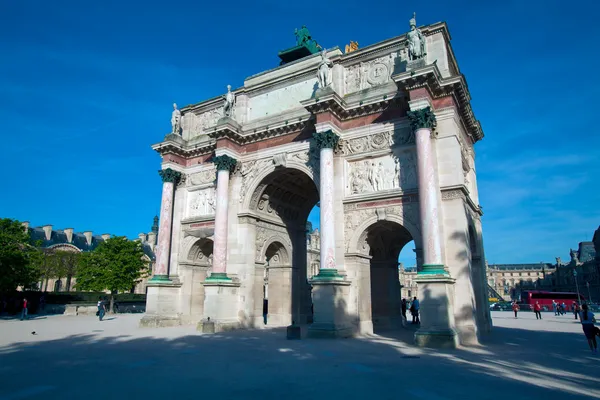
381 139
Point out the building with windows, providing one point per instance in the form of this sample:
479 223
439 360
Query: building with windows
68 241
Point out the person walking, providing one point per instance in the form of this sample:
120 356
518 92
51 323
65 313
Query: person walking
555 308
414 310
101 309
538 310
515 308
587 323
24 311
404 308
576 309
563 308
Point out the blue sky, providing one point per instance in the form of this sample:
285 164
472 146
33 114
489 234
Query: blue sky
87 87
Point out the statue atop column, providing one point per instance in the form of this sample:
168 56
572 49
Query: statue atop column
416 41
324 71
229 102
574 256
176 120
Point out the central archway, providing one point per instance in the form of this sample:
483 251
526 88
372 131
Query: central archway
281 203
385 240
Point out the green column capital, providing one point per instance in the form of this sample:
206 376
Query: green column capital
326 140
169 175
224 162
423 118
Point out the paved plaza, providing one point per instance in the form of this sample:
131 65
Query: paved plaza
82 358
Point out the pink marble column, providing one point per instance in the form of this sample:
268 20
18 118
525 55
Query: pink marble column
224 165
423 122
163 247
327 141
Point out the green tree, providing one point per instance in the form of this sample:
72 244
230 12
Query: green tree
115 265
17 256
62 264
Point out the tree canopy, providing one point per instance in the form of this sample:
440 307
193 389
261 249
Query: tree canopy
115 265
17 257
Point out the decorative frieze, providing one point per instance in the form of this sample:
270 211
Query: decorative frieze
382 173
203 177
199 124
378 141
370 73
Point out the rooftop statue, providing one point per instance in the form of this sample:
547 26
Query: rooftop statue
416 41
229 100
353 46
324 71
574 256
176 120
302 36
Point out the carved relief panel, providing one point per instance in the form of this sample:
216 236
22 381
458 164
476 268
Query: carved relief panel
201 202
197 124
381 173
370 73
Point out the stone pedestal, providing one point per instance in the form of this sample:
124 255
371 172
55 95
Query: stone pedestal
221 305
331 318
436 312
161 300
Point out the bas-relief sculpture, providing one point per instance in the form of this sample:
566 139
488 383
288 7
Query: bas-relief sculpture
176 120
324 71
203 177
370 73
382 173
416 41
202 202
196 125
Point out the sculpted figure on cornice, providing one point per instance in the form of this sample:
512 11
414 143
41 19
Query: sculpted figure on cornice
229 101
378 141
324 71
369 74
176 120
383 173
416 41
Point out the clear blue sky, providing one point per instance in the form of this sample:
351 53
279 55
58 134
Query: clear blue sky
87 87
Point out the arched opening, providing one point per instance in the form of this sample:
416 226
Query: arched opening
407 268
281 204
202 252
386 239
276 260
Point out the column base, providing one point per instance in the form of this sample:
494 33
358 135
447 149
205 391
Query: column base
162 305
220 305
218 277
329 274
160 279
436 311
331 319
445 339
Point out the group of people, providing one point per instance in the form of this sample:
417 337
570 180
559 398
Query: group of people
582 313
413 307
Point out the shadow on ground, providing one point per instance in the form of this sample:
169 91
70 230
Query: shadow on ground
517 363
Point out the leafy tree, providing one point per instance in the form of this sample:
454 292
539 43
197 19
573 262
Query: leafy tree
17 256
61 263
115 265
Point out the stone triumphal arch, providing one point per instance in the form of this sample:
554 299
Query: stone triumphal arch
381 140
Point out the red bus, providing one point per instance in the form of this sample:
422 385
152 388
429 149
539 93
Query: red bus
545 298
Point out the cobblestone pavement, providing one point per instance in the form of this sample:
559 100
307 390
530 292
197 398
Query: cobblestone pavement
82 358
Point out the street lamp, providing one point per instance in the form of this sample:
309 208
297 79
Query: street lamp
576 284
589 295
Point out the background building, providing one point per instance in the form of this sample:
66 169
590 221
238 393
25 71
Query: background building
67 240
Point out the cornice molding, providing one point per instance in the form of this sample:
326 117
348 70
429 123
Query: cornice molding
429 77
